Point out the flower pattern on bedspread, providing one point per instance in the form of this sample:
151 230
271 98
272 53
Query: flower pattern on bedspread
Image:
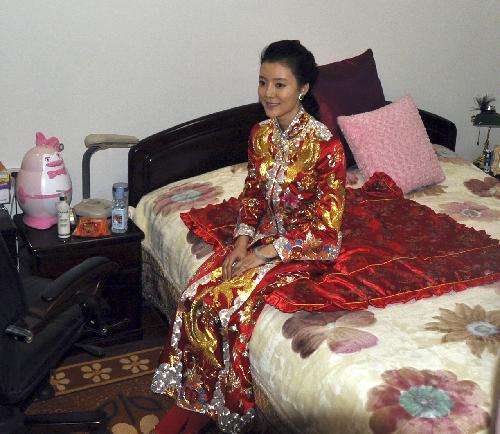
199 248
488 187
186 196
432 190
309 329
423 401
461 211
478 328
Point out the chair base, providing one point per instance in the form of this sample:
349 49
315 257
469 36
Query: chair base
86 421
11 420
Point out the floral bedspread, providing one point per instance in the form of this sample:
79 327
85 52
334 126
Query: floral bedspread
425 367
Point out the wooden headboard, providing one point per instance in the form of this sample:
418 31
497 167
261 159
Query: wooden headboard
192 148
218 140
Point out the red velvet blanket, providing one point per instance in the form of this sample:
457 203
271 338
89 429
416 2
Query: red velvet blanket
393 250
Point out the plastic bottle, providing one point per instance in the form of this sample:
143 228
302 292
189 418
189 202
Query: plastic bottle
63 223
119 208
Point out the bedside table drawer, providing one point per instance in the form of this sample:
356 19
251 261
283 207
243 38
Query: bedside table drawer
51 263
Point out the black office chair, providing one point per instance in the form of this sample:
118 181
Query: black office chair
40 320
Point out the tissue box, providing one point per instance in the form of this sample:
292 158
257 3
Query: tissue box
4 184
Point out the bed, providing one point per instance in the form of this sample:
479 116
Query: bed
390 364
316 389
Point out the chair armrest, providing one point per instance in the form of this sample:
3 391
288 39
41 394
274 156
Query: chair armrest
96 267
75 286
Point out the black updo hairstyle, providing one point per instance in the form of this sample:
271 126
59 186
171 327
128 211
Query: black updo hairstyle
302 64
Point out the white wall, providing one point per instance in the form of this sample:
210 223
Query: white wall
72 67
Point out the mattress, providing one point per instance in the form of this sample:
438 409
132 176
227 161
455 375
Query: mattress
425 366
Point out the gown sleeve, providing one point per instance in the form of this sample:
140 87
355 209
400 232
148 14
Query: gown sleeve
253 201
312 230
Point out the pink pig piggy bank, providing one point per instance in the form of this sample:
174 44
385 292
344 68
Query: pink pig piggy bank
41 179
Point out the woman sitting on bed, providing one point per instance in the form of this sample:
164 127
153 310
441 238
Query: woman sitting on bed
291 211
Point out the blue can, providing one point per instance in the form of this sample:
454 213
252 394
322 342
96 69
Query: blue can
487 160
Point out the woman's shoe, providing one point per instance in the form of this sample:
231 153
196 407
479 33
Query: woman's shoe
173 421
196 423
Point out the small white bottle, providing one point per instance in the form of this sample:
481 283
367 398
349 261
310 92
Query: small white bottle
63 223
119 209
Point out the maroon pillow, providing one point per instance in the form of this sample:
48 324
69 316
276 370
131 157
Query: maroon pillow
348 87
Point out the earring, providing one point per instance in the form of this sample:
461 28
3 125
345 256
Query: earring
301 97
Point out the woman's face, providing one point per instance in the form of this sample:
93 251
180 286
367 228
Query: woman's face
279 92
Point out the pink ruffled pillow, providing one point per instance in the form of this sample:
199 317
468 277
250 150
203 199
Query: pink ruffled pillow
393 139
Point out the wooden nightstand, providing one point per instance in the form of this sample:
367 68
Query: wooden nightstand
50 256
